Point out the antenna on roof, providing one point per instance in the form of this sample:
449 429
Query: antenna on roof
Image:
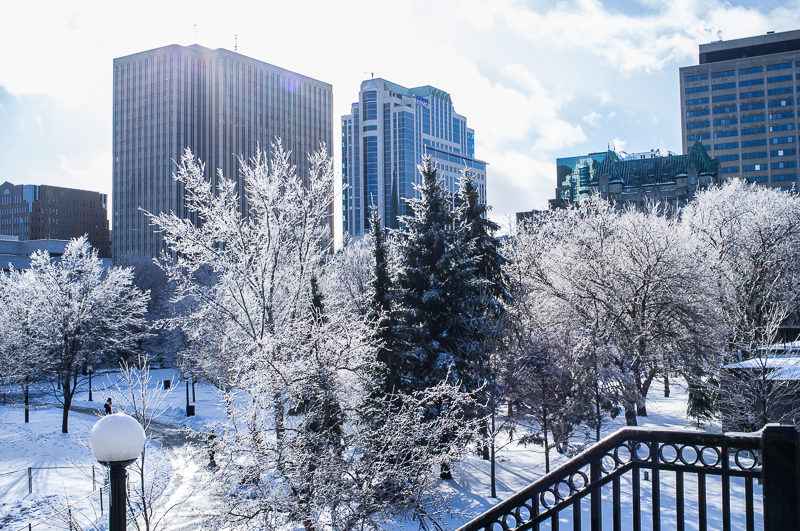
195 32
235 43
371 75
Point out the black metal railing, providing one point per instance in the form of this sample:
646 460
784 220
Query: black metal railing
687 477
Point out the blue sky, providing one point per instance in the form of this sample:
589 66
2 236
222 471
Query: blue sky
536 80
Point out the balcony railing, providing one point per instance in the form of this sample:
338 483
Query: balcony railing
676 466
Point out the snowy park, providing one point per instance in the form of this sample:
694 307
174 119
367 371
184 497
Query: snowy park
62 463
417 377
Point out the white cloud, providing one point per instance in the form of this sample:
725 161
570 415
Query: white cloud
86 175
669 30
618 144
611 114
592 118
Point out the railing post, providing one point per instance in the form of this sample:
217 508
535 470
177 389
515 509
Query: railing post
780 462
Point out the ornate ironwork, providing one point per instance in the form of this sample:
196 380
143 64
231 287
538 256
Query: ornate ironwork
633 450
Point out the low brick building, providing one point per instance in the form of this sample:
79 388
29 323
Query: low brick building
41 212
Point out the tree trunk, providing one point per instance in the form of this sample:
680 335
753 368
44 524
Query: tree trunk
666 385
27 403
630 417
493 475
546 444
67 394
644 387
279 425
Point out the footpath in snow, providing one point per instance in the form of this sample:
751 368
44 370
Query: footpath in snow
61 465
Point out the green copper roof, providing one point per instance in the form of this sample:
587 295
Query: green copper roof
655 170
427 90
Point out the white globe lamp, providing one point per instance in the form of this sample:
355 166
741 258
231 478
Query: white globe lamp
117 441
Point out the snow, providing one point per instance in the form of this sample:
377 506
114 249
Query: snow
117 437
40 444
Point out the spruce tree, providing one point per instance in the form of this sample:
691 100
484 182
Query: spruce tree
433 285
381 303
478 234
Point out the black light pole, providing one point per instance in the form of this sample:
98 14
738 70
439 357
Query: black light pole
117 441
186 376
89 368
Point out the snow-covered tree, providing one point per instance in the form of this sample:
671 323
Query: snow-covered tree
81 312
435 283
629 278
264 315
749 237
23 360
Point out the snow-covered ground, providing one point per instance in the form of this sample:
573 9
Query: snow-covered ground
40 445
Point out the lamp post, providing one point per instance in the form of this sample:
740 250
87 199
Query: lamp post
189 408
90 369
116 441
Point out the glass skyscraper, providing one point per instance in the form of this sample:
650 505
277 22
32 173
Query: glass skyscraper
218 103
384 138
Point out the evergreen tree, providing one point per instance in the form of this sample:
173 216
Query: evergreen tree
434 287
478 233
381 303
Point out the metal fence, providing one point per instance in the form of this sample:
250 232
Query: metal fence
657 477
68 497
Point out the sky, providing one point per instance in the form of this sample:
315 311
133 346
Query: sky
537 80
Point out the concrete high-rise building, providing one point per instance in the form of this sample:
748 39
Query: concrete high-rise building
40 212
740 103
385 137
218 103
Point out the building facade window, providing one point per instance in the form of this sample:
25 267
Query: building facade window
731 145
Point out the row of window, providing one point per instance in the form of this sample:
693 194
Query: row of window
732 121
774 166
743 71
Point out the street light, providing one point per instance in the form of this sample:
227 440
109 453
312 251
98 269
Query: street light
90 369
116 441
189 408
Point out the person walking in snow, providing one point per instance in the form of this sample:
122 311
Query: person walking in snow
107 406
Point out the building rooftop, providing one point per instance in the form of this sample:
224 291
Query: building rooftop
771 43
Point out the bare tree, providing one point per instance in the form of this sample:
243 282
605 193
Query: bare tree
136 396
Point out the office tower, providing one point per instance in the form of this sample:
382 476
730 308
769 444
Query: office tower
385 137
218 103
740 103
41 212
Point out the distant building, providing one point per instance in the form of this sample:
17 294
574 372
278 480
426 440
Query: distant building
40 212
17 254
530 217
624 178
740 103
218 103
385 137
